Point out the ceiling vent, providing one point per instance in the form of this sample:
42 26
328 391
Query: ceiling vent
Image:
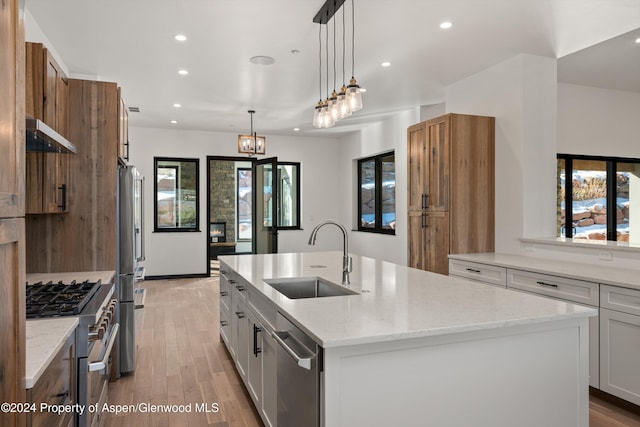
134 109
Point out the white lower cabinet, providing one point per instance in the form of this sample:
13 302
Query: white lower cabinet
620 342
246 324
485 273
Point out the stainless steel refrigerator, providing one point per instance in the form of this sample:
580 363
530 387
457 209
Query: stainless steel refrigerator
130 253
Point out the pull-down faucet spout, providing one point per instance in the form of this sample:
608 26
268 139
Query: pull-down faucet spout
347 265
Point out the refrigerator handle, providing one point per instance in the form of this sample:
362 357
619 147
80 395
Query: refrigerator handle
141 231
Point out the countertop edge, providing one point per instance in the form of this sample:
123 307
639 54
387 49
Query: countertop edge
39 351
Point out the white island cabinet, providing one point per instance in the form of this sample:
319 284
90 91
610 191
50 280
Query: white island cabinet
414 348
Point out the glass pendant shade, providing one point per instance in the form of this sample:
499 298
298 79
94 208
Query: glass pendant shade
343 106
333 107
354 97
327 119
317 116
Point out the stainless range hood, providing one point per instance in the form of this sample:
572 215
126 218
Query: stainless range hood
41 138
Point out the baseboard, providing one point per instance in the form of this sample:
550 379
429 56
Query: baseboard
176 276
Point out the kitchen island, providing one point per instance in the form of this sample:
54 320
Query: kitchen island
418 348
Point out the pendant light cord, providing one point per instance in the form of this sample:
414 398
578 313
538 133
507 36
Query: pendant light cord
327 46
334 54
320 60
343 46
353 37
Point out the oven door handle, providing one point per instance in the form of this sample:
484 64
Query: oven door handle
102 364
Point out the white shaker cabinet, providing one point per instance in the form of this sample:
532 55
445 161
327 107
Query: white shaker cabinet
620 342
485 273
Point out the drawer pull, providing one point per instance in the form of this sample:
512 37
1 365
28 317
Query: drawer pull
240 314
232 281
547 284
224 293
223 323
240 288
473 270
63 396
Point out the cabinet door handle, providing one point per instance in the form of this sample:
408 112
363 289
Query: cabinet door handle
424 201
552 285
126 146
240 288
231 281
472 270
224 293
256 349
240 314
223 323
63 190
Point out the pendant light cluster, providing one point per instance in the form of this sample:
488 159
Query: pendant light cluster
340 105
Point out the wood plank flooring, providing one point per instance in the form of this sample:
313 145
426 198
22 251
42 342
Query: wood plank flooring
181 360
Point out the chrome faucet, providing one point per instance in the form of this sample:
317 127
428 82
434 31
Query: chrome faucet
347 265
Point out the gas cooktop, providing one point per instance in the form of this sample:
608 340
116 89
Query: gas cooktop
58 299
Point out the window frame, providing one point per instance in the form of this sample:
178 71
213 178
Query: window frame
377 193
611 205
156 162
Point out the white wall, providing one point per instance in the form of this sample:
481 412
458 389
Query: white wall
521 94
387 135
599 122
185 253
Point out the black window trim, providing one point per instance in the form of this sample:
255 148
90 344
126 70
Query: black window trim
611 169
378 193
195 229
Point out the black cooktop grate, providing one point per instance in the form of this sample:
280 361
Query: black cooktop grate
58 299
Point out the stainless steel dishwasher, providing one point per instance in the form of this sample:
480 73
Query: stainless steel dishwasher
298 361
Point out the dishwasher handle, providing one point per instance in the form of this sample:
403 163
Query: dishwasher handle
302 361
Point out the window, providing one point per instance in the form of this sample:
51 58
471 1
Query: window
244 214
288 195
176 189
597 203
377 194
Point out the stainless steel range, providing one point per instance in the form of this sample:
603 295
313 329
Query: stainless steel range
95 306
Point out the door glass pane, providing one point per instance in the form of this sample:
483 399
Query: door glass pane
627 199
244 197
560 190
389 192
267 179
368 194
589 190
288 194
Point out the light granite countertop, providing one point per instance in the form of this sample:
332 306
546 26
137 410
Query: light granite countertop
395 302
45 337
616 276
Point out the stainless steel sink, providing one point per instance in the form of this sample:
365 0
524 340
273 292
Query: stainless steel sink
308 287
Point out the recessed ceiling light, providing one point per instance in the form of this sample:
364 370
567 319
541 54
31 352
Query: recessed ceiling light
174 122
262 60
180 37
177 105
445 25
183 72
386 64
296 129
638 40
295 51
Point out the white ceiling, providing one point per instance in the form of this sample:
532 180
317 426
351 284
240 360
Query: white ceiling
131 42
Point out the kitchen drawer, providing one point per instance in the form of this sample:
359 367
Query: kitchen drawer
225 326
264 309
485 273
571 290
225 294
56 386
620 299
239 288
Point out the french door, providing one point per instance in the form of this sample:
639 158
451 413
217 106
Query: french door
265 196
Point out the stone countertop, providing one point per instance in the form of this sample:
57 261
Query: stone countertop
79 276
45 337
395 302
612 275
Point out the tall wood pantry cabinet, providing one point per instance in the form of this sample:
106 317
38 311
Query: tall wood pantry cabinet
451 191
12 224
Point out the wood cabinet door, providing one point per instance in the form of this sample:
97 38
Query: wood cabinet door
12 317
438 166
416 241
437 244
416 167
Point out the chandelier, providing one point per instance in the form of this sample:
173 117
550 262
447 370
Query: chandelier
252 144
338 105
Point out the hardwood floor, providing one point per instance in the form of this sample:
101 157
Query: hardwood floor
181 361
